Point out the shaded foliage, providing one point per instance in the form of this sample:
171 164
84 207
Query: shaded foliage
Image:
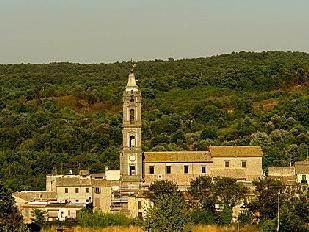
61 116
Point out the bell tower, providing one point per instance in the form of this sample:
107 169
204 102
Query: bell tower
131 168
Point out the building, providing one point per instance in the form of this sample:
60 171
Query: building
143 168
302 171
117 190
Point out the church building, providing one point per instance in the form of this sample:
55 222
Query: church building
140 169
118 190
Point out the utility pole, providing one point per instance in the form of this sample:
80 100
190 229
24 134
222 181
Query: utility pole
278 215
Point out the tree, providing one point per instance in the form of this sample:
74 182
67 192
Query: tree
228 192
267 201
161 188
203 201
167 214
10 218
39 217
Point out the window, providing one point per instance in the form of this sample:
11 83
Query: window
76 190
203 169
132 141
303 179
140 215
243 164
186 169
226 163
151 169
132 116
87 190
168 169
139 205
132 170
97 190
66 190
76 200
132 99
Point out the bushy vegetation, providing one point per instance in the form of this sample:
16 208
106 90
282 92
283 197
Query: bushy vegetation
10 218
87 218
60 116
203 204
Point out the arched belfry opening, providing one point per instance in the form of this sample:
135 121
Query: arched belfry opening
132 141
132 116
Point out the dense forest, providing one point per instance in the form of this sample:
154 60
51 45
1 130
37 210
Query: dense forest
60 116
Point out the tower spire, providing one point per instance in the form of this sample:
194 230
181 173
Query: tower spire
131 85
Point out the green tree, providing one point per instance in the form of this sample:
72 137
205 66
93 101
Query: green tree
10 218
228 192
167 214
39 217
266 202
161 188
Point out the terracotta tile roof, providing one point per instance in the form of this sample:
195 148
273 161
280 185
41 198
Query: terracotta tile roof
103 183
73 181
236 173
33 195
281 171
302 167
235 151
177 156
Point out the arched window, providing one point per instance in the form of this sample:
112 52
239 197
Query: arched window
132 141
132 116
132 99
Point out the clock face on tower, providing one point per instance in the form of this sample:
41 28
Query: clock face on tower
132 157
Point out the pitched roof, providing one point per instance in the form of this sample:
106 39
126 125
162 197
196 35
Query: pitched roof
68 181
235 151
32 195
302 167
177 156
281 171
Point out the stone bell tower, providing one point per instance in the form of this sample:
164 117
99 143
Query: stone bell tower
131 168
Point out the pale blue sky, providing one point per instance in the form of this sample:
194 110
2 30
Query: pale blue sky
92 31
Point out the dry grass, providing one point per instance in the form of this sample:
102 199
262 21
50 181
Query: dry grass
212 228
108 229
208 228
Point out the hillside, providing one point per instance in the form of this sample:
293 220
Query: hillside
60 116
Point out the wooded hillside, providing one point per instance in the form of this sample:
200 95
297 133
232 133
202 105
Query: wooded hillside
60 116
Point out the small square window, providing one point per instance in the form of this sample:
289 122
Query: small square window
226 163
66 190
243 164
76 190
168 169
151 169
203 169
186 169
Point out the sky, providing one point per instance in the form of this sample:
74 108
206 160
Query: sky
104 31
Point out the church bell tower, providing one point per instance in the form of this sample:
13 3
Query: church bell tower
131 168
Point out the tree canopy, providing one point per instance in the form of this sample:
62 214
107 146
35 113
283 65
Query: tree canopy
61 116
